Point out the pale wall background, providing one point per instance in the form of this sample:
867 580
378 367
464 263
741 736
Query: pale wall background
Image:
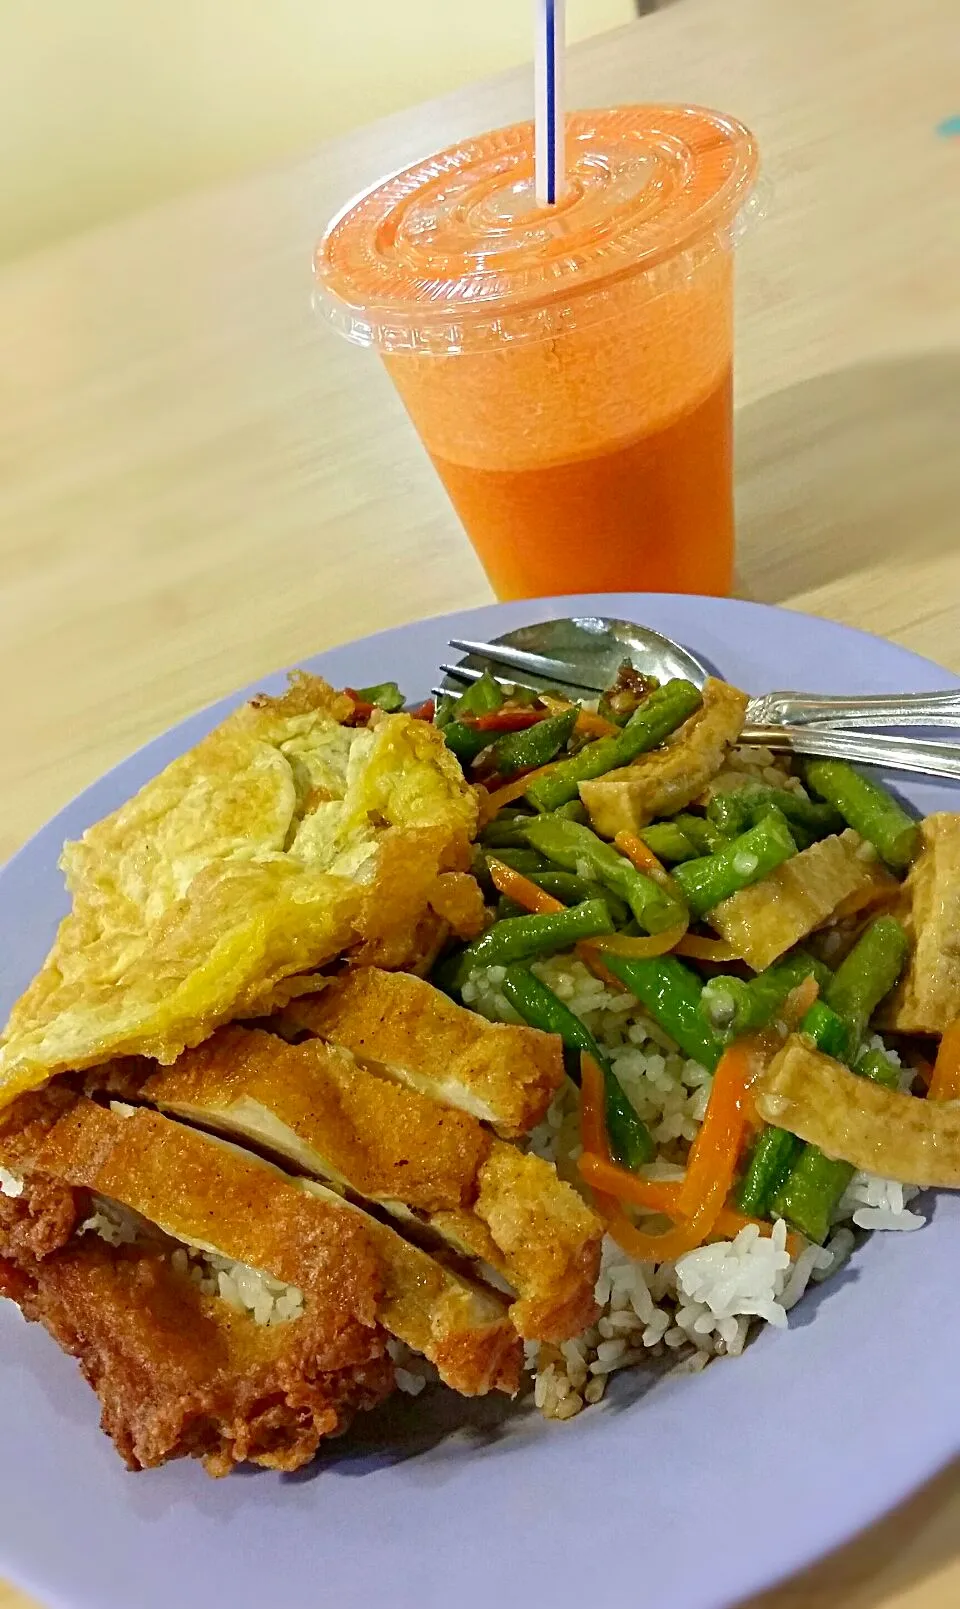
107 105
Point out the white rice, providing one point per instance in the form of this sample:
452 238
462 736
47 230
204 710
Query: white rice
264 1299
711 1300
11 1184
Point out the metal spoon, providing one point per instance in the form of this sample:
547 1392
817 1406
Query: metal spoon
583 654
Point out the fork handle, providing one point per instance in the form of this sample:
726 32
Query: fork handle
859 709
926 758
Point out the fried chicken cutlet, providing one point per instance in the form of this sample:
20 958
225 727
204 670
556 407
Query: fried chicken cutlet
404 1027
211 1196
313 1105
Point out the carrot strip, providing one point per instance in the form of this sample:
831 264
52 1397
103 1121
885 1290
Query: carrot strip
713 1154
626 944
589 723
643 858
591 958
506 720
512 790
659 1195
799 1001
520 889
638 853
945 1083
699 948
593 1132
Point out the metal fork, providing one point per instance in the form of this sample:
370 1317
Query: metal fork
783 722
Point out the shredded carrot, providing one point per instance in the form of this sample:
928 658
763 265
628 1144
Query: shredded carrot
713 1154
799 1001
625 944
659 1195
593 1133
636 851
521 890
710 1189
645 861
585 952
505 720
589 723
704 949
945 1082
512 790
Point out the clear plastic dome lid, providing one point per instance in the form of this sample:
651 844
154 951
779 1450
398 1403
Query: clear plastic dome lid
456 250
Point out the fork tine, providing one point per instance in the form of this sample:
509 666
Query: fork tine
465 674
554 670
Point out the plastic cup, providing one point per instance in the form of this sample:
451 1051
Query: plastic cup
568 368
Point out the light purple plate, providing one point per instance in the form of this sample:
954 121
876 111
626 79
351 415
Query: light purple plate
707 1489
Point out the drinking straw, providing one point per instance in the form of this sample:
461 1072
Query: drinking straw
548 89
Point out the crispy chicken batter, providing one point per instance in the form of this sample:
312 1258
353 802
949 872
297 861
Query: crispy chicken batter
313 1105
313 1101
349 1266
181 1373
404 1027
267 850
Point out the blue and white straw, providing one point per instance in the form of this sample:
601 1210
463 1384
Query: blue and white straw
548 83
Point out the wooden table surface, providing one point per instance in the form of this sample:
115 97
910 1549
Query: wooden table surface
198 483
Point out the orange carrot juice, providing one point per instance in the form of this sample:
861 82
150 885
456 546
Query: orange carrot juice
567 368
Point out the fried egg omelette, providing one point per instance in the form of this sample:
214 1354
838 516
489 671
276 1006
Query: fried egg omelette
283 839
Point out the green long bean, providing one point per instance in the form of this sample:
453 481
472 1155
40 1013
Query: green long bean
668 842
520 937
868 973
535 745
869 808
670 992
659 715
740 1005
745 860
576 848
732 812
629 1137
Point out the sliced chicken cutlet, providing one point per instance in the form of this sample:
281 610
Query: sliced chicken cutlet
313 1105
352 1270
404 1027
180 1373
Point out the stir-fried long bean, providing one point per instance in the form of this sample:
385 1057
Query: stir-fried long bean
521 937
666 840
536 746
385 695
577 849
538 1005
733 812
745 860
868 974
670 992
659 715
809 1194
739 1005
869 808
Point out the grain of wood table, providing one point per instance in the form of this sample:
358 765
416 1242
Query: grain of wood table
198 484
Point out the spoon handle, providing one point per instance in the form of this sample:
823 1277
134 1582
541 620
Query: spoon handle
858 709
865 748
